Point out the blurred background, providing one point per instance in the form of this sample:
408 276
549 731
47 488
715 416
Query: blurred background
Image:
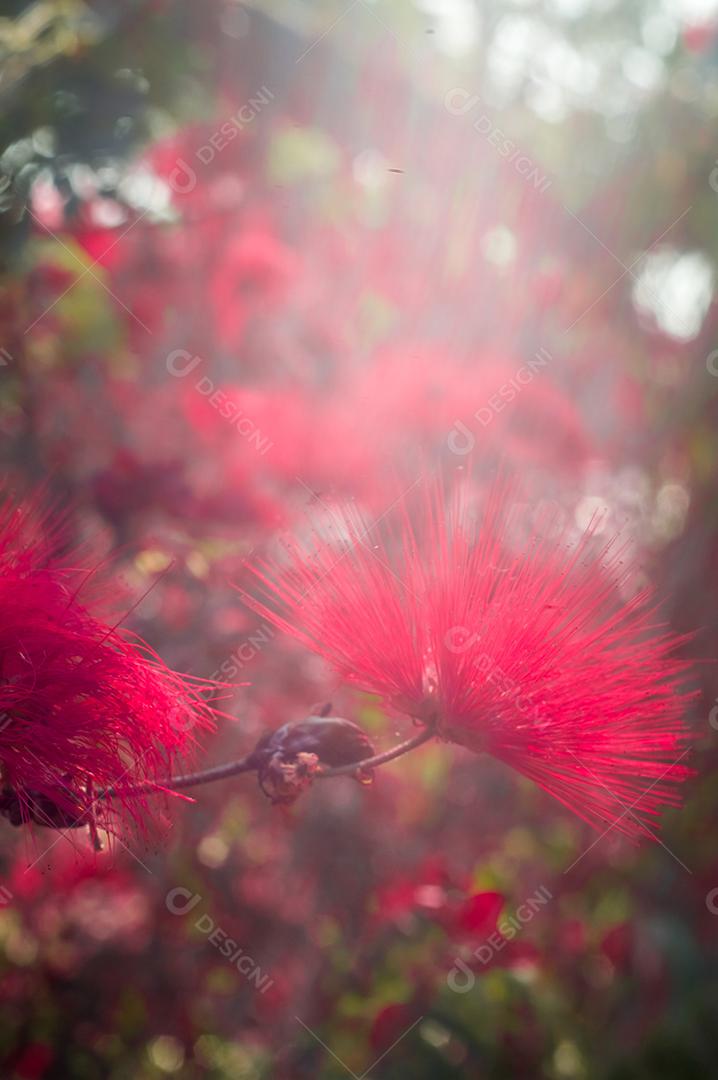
256 258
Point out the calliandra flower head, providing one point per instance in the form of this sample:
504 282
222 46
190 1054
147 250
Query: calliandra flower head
83 706
520 648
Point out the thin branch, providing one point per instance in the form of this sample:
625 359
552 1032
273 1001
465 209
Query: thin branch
249 764
176 783
380 759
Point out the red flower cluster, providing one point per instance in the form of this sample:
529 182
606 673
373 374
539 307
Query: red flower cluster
83 706
521 648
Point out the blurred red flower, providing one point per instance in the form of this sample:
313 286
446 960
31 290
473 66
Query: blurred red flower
254 271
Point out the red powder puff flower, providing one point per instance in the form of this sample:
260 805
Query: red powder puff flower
82 706
522 649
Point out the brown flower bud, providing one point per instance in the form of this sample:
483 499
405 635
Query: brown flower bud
287 759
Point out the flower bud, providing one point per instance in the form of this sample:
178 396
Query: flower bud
287 759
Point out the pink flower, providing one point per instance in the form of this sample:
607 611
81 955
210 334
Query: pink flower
83 706
523 649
